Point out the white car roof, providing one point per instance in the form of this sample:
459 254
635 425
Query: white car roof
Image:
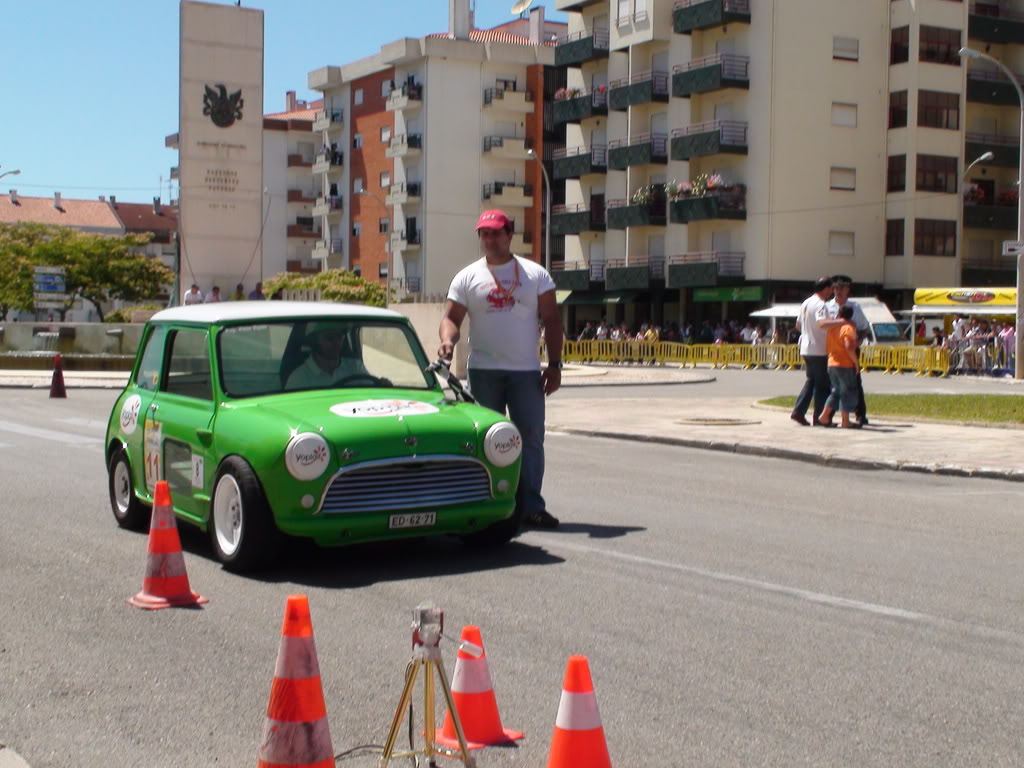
232 311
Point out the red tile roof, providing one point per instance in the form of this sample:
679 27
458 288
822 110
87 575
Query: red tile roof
139 217
499 35
94 215
298 114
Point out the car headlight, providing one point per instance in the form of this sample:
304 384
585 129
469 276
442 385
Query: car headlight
307 456
503 444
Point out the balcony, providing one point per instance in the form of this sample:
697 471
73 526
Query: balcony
1005 149
329 120
403 193
694 15
711 73
575 162
505 194
504 100
407 284
638 213
574 219
402 240
576 5
408 97
404 145
635 274
328 206
507 147
641 88
726 202
643 149
714 137
575 106
298 161
301 196
980 216
995 22
581 47
303 231
703 269
992 87
576 275
328 163
325 248
522 242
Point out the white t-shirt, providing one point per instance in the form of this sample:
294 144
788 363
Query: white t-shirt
192 297
747 334
812 338
830 311
504 327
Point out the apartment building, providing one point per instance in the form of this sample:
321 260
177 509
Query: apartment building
418 139
722 154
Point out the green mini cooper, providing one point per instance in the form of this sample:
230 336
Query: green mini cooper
313 420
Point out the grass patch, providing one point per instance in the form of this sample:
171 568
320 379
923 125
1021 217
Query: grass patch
985 409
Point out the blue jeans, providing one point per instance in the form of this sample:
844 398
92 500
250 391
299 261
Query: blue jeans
844 389
522 393
816 386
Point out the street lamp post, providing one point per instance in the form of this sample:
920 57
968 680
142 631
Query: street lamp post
547 213
387 248
10 173
970 53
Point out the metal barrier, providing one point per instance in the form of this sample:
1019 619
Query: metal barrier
924 361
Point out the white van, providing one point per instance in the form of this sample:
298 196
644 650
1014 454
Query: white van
883 328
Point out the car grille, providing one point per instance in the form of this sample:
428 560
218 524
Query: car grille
407 484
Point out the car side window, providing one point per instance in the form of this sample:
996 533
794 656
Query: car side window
148 376
188 367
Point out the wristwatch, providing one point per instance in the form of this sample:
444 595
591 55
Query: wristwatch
557 364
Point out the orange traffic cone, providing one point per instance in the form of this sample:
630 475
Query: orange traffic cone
296 733
166 582
57 381
475 702
578 741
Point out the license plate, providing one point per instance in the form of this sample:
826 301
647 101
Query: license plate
413 520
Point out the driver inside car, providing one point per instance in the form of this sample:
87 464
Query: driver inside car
327 364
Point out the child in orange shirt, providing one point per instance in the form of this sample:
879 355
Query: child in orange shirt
842 370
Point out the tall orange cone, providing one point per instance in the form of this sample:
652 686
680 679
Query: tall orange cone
296 733
166 582
475 701
57 380
578 741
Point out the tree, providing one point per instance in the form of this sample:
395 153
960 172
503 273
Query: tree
18 244
334 285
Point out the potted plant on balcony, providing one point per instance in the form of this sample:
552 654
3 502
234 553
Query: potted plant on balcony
974 194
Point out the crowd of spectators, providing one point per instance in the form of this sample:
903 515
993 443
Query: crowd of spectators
977 345
727 332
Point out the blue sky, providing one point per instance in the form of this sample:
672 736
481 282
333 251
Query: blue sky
90 88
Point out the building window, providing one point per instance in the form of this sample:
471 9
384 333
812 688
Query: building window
840 243
898 109
897 173
936 173
846 48
934 237
844 115
939 45
843 178
357 270
382 269
357 229
623 16
385 88
936 109
384 225
385 179
357 97
357 185
894 229
385 134
357 141
899 45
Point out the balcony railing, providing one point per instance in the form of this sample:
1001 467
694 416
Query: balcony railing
709 138
703 268
498 94
580 47
626 213
328 204
296 161
1005 149
994 263
497 142
301 196
694 15
300 230
641 88
407 95
995 22
711 73
1002 216
334 245
730 263
724 202
634 273
579 217
582 105
328 119
500 187
576 275
404 190
642 149
573 162
989 86
403 144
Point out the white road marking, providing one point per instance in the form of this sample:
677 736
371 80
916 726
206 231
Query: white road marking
556 433
67 438
78 421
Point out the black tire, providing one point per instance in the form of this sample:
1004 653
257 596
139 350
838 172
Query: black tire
247 538
130 513
502 532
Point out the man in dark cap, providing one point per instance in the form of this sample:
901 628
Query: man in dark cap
815 354
829 316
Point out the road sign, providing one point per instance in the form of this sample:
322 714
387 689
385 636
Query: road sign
49 296
1013 247
48 304
49 270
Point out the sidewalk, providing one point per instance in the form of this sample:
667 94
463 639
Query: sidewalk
10 759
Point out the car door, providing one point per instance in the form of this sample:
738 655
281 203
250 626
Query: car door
136 401
182 417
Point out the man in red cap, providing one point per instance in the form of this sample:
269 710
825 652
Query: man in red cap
504 296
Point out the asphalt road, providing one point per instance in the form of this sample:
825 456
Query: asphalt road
737 611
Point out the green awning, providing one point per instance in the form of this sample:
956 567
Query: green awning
561 296
578 298
620 297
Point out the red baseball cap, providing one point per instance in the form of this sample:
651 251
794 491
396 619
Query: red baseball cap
493 220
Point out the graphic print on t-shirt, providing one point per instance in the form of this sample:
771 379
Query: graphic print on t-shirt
500 298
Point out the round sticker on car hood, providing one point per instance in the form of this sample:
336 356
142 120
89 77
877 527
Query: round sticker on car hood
368 409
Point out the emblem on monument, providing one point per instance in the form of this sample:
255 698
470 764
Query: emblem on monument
223 109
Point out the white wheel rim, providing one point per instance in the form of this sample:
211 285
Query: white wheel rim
227 514
122 486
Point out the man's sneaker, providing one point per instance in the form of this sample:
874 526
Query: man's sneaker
801 420
541 519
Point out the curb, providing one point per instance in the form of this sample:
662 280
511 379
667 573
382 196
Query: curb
11 759
913 420
828 460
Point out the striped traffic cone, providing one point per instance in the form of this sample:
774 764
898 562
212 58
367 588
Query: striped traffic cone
296 733
578 741
474 699
166 582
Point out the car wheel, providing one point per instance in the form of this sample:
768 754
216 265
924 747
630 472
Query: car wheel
129 512
241 524
501 532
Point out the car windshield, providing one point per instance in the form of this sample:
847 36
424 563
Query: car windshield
320 354
888 332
